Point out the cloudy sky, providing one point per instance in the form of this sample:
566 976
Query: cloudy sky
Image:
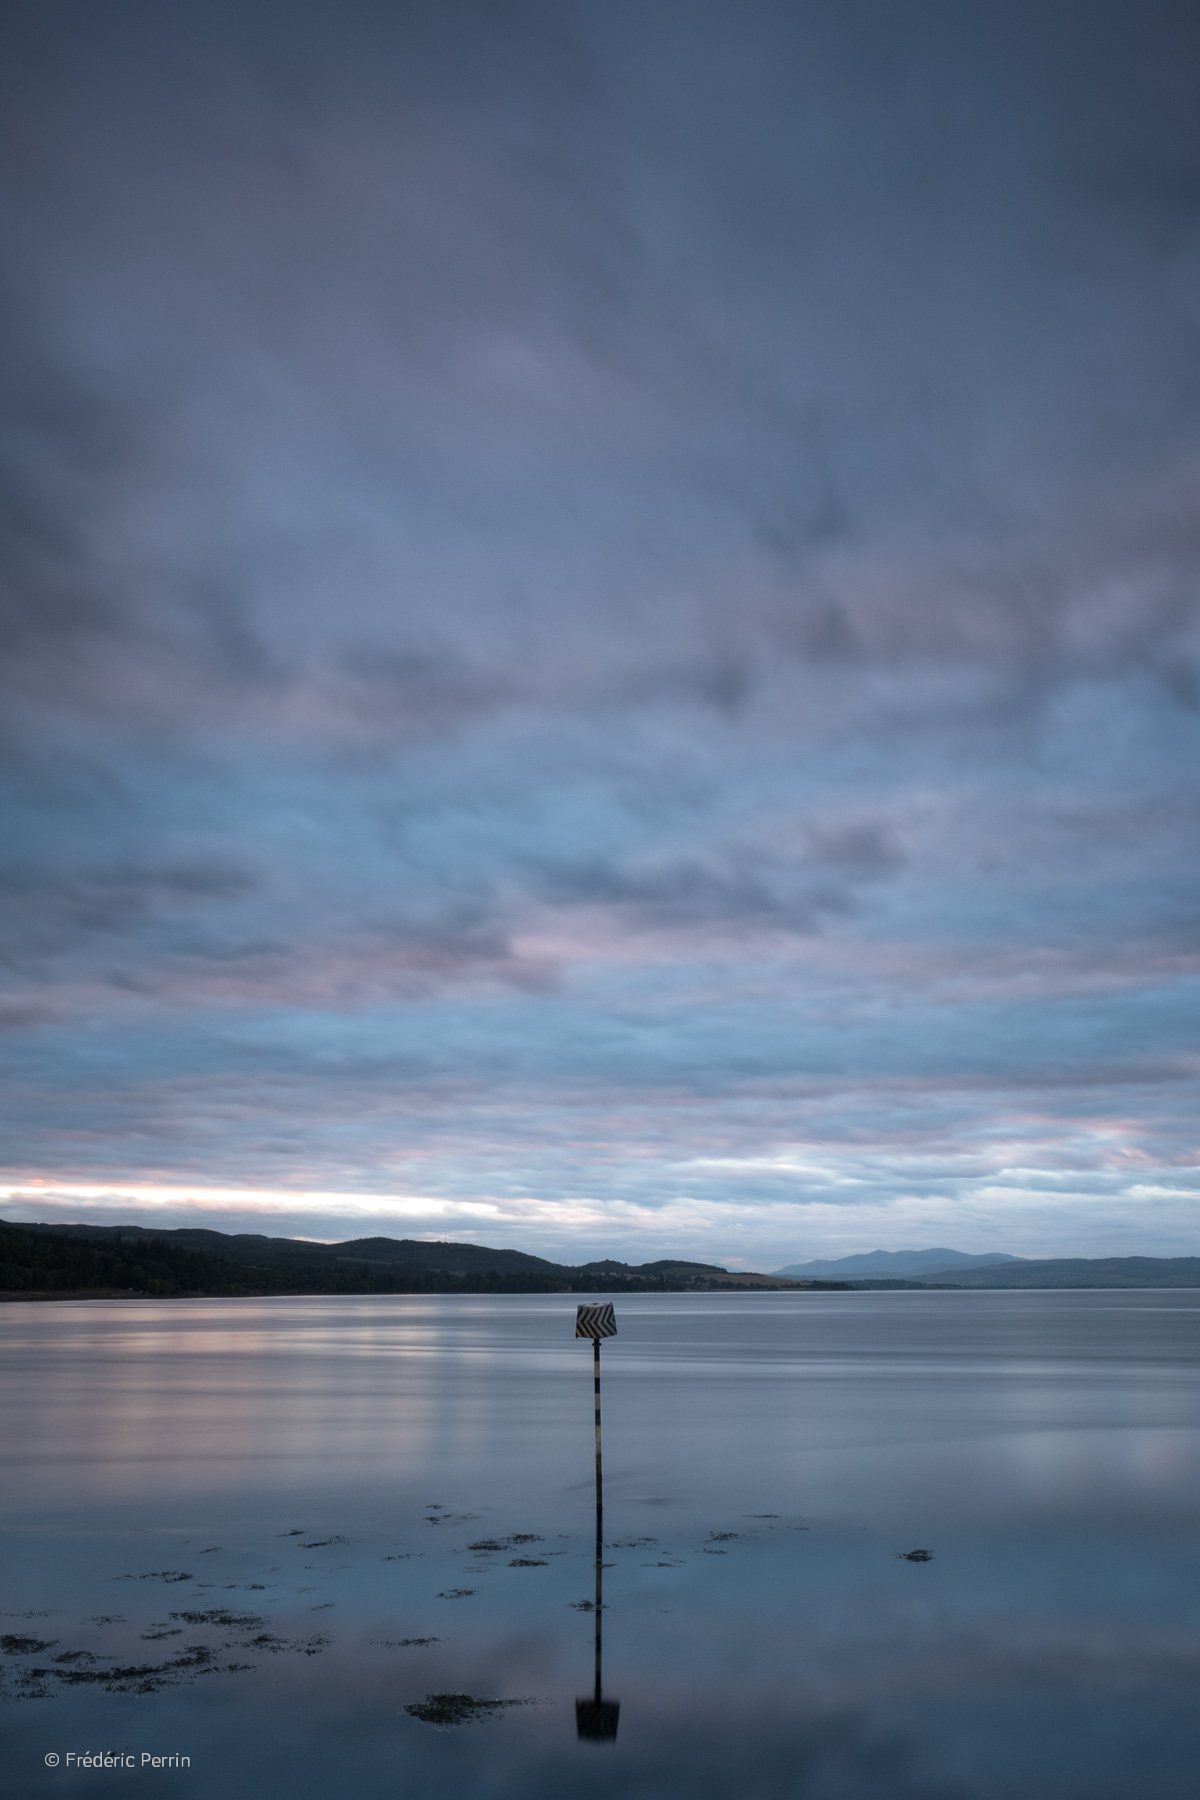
600 622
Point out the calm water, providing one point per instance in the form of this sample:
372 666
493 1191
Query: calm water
226 1522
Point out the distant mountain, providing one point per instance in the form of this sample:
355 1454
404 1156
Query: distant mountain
48 1260
904 1263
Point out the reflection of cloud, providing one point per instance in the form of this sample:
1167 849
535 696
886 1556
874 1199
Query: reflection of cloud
720 1743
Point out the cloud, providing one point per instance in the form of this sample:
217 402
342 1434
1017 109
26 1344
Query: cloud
600 594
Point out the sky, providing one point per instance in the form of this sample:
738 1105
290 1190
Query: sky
599 638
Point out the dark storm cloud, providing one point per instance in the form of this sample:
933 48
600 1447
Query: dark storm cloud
735 884
587 592
53 443
822 294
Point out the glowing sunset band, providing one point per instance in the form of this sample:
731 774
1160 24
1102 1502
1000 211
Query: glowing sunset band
264 1200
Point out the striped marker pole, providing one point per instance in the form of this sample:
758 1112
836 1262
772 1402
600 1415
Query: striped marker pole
599 1458
597 1718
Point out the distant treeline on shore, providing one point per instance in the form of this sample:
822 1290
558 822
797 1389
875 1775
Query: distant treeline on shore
55 1261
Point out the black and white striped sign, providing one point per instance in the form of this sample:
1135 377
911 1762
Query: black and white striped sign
595 1321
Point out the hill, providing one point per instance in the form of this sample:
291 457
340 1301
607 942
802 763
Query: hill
57 1260
908 1265
954 1268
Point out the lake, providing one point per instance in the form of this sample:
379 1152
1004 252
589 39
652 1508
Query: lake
273 1536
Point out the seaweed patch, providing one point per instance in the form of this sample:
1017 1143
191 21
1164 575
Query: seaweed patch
220 1615
458 1709
157 1575
80 1668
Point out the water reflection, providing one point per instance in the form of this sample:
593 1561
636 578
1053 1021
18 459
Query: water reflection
595 1717
755 1499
